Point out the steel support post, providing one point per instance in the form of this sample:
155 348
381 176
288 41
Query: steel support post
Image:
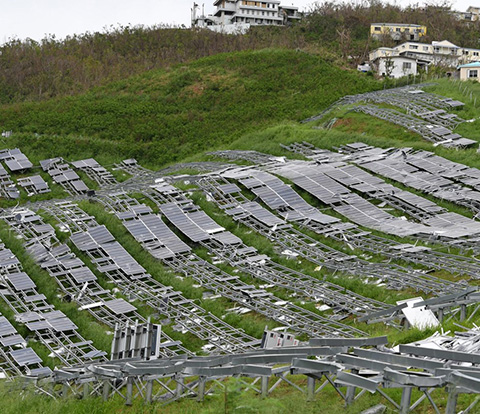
264 387
451 401
106 390
149 392
463 312
405 401
65 389
440 315
128 400
350 394
86 390
310 389
179 388
201 389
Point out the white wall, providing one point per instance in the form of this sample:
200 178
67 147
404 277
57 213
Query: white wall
398 71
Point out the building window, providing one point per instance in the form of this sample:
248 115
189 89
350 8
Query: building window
475 53
377 29
397 29
407 65
414 47
473 73
425 48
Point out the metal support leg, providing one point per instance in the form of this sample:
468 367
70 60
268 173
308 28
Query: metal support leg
149 392
180 386
106 390
350 394
86 390
65 390
310 389
440 315
451 402
201 389
264 387
128 400
463 312
406 399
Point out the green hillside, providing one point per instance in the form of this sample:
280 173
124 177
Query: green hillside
163 116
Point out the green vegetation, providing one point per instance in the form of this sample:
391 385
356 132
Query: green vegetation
164 116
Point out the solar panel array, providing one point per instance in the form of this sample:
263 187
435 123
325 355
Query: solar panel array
95 171
289 238
7 186
312 178
62 174
250 296
15 160
123 270
226 246
16 358
31 308
76 281
438 134
281 198
425 113
34 184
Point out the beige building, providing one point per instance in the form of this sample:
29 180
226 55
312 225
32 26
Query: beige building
470 71
398 31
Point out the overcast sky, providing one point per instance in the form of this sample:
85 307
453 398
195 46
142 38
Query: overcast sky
36 18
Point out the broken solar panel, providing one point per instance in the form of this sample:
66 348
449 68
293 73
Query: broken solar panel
7 186
62 174
6 328
15 160
152 228
20 281
95 171
34 185
120 306
26 356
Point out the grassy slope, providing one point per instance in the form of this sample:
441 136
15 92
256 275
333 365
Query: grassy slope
164 116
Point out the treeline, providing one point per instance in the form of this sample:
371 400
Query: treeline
31 70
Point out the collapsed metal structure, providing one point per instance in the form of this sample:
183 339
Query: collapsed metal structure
351 367
423 113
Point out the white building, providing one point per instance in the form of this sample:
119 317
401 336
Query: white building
239 15
399 66
442 53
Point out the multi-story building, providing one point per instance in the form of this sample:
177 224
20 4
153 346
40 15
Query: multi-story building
471 15
397 31
234 15
442 53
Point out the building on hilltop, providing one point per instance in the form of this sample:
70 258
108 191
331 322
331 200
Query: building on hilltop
471 15
397 31
443 53
239 15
